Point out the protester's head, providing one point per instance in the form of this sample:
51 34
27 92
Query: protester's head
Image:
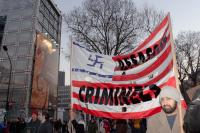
169 98
72 114
34 115
43 116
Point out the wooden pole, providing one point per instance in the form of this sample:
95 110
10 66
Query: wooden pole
176 73
71 55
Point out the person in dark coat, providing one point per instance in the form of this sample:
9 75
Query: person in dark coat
92 126
45 125
138 125
20 125
121 126
58 126
33 125
73 125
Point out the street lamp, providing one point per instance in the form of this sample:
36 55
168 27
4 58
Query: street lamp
8 92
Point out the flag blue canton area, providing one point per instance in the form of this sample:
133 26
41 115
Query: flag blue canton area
124 86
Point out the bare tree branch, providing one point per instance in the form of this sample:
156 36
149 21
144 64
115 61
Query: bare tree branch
188 50
107 26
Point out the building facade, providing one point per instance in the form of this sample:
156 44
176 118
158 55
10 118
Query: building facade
24 19
61 78
64 98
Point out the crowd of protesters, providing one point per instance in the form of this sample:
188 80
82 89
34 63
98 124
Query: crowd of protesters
163 121
105 125
40 122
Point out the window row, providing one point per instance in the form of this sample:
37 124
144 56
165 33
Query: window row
18 14
10 5
44 19
51 33
13 26
23 36
18 80
18 51
19 65
47 8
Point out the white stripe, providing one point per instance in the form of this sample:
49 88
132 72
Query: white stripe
92 78
156 37
145 106
144 65
160 82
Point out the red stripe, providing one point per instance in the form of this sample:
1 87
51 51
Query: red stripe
117 68
118 115
152 35
159 77
171 82
79 84
171 79
183 104
146 71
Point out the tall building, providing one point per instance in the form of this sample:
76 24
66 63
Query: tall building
64 98
61 78
27 23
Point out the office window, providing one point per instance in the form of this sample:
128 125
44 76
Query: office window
26 24
46 11
39 27
23 50
11 37
25 36
27 12
51 30
51 19
14 15
45 23
42 6
12 26
21 64
41 17
28 81
19 80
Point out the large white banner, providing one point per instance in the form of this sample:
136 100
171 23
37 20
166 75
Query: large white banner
124 86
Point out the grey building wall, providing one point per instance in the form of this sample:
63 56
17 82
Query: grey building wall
61 78
64 97
23 20
18 36
64 101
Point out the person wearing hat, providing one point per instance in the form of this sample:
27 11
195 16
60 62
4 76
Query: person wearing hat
167 121
34 123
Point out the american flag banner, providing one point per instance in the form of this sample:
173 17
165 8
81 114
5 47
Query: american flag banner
123 86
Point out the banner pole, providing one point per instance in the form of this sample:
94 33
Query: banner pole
176 74
71 54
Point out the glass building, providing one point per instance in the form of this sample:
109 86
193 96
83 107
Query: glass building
20 21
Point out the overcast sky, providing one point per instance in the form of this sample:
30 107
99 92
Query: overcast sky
184 14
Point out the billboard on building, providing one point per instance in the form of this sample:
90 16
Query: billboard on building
45 75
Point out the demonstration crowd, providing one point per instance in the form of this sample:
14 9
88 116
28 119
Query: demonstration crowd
166 121
40 123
